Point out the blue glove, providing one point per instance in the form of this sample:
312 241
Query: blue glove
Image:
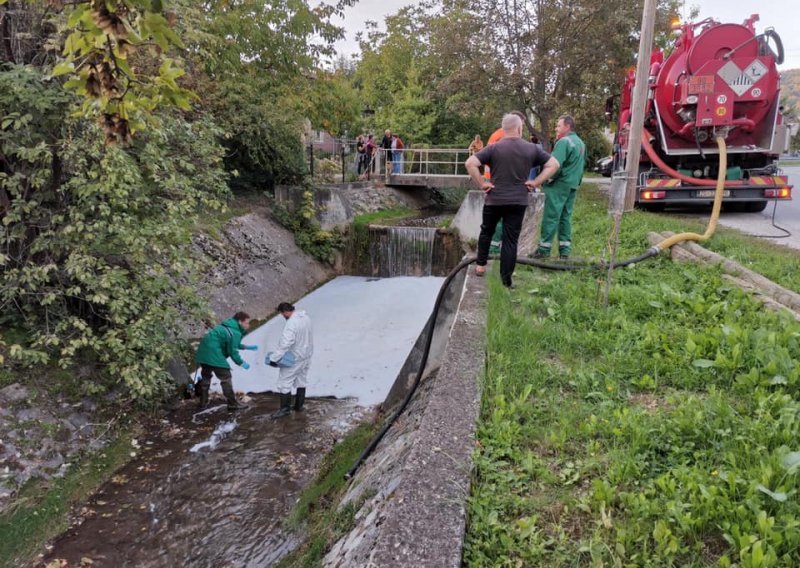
245 365
273 364
250 347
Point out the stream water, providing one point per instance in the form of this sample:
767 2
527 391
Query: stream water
207 491
214 489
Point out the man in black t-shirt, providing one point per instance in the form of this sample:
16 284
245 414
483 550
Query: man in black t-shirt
506 195
386 146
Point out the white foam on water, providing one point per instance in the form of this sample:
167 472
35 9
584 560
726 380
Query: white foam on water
216 437
206 411
364 328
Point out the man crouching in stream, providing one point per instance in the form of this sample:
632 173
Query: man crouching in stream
222 342
297 340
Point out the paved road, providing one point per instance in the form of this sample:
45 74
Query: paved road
787 215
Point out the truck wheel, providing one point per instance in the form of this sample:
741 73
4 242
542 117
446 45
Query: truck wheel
755 206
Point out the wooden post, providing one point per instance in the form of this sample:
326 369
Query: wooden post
640 90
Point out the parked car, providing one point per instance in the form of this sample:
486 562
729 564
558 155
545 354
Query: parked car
605 166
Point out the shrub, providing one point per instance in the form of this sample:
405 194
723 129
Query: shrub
95 238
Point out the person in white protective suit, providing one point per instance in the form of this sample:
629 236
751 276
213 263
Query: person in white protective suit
297 340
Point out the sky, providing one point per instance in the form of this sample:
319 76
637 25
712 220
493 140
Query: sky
783 15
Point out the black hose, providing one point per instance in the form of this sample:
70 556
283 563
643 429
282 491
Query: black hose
426 351
787 232
431 325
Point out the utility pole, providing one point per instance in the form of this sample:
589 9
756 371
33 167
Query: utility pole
640 91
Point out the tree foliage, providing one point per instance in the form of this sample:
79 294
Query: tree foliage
114 55
478 59
257 65
94 239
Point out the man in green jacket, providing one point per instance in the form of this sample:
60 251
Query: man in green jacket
561 190
224 341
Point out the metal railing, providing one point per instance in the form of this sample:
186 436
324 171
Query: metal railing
423 161
385 163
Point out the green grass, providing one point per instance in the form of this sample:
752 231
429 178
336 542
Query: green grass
661 431
383 215
41 509
317 511
591 227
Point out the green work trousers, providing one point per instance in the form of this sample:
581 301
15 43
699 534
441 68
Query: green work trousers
558 205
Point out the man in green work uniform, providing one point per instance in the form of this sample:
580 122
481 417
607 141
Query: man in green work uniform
224 341
561 190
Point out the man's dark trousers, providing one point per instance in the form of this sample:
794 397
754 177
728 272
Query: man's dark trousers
512 216
225 381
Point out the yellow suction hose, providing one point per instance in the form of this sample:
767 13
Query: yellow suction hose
712 223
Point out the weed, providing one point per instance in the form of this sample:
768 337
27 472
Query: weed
383 215
317 509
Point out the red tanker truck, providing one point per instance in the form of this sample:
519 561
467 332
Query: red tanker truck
719 80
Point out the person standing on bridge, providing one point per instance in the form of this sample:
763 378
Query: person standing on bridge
361 154
223 341
506 194
369 150
560 192
397 154
386 146
297 339
476 145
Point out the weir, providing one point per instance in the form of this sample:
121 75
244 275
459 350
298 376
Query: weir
403 250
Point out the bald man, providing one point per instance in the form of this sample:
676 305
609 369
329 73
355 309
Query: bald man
506 193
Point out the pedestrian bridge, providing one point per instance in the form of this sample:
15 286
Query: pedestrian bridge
424 168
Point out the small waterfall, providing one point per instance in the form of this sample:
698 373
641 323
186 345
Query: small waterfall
403 251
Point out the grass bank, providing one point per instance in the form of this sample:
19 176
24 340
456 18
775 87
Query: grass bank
377 217
317 515
41 509
591 228
662 431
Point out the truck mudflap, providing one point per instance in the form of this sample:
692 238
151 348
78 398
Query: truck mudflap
754 189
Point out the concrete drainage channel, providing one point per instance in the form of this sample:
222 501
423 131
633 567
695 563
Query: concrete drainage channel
419 476
223 503
413 488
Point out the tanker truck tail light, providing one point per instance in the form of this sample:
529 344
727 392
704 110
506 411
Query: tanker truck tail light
779 193
651 195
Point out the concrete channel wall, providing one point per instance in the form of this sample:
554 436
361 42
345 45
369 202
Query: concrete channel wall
339 204
469 216
411 492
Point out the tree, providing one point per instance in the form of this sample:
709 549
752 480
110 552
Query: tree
257 65
115 57
540 57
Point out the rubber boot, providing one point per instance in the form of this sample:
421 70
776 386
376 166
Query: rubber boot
230 396
299 399
202 391
286 406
